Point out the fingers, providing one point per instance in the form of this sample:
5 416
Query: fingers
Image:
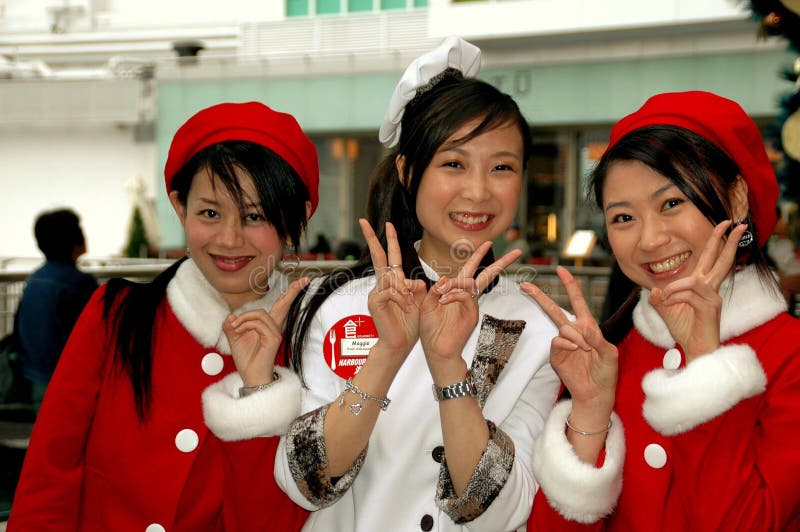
550 307
579 306
727 256
281 306
376 252
711 251
400 291
255 320
469 267
496 268
393 247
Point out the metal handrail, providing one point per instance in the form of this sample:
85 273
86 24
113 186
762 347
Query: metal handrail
594 279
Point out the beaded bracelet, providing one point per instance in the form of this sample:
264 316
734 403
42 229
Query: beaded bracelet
584 433
356 408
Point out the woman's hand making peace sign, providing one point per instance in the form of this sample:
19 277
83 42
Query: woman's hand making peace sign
449 312
255 336
583 359
692 306
394 302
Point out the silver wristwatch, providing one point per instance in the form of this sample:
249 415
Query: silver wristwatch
465 388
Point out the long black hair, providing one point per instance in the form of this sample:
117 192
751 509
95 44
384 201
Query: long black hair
702 172
429 120
132 309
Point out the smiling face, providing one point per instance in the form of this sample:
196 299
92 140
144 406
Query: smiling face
656 233
235 250
469 194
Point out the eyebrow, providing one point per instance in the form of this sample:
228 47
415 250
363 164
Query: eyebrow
462 151
212 201
653 196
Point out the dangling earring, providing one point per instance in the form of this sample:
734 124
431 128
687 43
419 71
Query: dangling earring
290 260
747 236
188 253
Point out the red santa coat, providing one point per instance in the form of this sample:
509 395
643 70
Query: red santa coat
93 465
710 446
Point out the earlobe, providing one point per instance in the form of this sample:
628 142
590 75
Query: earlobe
400 164
740 204
180 208
308 210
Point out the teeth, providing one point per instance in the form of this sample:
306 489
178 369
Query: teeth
670 264
234 260
467 219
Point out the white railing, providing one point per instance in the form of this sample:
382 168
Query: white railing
12 281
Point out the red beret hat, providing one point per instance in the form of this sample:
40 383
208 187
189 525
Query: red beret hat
253 122
724 123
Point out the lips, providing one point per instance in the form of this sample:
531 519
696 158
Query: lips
471 221
231 264
670 263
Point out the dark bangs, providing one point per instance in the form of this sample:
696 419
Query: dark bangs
282 195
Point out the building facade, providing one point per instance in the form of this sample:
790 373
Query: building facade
91 91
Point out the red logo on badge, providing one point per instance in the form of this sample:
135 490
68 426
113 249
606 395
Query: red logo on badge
347 344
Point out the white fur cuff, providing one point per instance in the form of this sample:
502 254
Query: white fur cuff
679 400
577 490
265 413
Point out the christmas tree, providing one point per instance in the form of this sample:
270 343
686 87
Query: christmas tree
782 19
138 245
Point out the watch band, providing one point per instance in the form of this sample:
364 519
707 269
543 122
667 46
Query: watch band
465 388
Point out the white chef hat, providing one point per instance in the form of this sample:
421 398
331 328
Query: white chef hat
453 53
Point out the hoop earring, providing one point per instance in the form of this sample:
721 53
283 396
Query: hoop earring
290 261
746 238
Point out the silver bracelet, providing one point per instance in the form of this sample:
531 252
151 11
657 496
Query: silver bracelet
244 391
584 433
356 408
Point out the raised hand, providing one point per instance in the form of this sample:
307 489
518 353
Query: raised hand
583 359
449 312
691 306
394 302
255 336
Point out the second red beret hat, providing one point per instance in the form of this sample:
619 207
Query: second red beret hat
253 122
724 123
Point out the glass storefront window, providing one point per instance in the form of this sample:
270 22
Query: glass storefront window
354 6
545 198
297 8
327 7
346 164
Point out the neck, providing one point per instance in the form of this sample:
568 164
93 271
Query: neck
447 263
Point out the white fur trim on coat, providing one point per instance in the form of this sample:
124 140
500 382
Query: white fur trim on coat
202 310
265 413
746 304
577 490
679 400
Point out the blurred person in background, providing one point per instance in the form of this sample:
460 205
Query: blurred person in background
783 253
516 240
53 298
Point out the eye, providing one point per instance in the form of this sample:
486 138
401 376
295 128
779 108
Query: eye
253 217
621 218
451 164
209 213
503 168
672 203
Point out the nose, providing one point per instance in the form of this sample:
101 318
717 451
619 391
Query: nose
476 186
231 233
654 233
